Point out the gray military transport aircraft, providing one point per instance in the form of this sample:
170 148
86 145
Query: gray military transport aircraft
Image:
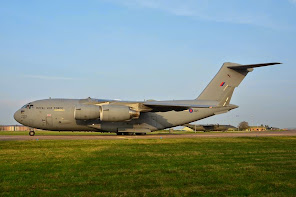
209 127
133 117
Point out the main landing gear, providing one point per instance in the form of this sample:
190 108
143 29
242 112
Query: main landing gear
140 133
125 133
32 133
129 133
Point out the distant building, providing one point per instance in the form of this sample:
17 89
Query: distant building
256 128
14 128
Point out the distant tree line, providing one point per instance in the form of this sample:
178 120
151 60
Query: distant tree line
243 125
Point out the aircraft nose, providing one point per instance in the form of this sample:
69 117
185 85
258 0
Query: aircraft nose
17 116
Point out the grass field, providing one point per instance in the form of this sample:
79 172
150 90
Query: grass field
163 167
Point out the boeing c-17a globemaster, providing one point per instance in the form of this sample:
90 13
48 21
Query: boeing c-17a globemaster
132 117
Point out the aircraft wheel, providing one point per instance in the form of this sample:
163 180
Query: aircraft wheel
32 133
118 133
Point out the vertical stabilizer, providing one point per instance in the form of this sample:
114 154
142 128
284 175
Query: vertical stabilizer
226 80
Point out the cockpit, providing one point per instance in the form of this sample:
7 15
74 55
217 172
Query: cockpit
28 106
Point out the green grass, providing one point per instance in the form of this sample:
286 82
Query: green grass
167 167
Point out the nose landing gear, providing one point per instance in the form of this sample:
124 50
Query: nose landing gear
32 133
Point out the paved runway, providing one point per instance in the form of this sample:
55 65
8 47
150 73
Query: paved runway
158 136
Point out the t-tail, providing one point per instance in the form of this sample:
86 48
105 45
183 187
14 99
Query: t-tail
226 80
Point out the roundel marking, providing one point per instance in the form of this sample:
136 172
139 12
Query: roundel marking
190 110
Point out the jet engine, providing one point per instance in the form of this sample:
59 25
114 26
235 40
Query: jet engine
87 112
116 113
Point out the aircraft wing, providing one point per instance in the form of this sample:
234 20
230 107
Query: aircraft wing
170 105
150 106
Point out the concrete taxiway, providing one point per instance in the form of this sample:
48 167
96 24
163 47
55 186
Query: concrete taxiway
157 136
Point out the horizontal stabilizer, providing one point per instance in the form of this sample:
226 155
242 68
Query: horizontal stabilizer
244 67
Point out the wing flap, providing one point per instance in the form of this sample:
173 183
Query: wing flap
168 106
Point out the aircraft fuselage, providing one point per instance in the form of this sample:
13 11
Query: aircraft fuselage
59 115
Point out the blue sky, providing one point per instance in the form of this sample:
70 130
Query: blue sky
149 49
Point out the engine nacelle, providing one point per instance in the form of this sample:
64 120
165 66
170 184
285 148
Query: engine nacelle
87 112
116 113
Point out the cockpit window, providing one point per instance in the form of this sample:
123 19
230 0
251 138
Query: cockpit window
28 106
25 106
